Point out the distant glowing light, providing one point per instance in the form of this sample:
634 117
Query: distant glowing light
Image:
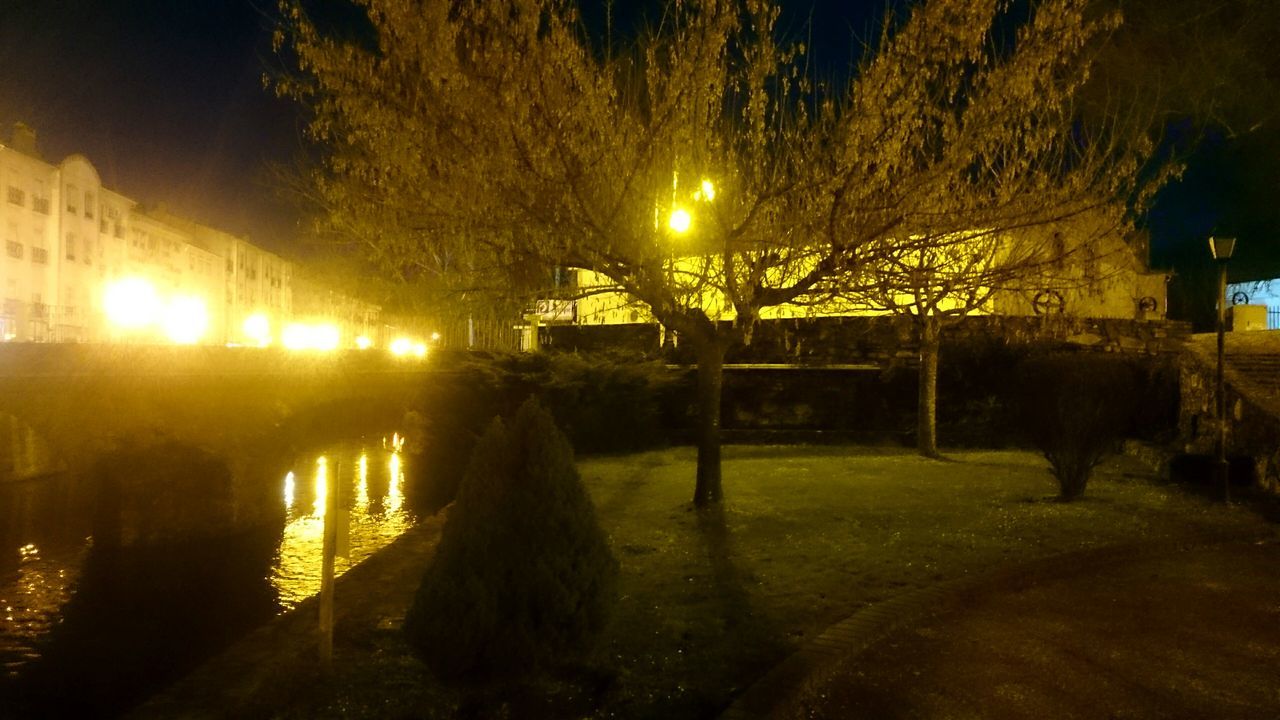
435 337
364 343
257 328
326 337
131 303
680 220
300 336
401 346
708 191
288 490
420 350
186 320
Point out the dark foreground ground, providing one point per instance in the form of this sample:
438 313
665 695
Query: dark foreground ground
1194 633
839 583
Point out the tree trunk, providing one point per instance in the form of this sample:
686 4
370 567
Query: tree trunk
927 407
708 490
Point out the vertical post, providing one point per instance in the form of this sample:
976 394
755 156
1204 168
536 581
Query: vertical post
1221 469
329 550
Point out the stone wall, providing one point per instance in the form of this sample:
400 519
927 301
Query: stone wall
881 340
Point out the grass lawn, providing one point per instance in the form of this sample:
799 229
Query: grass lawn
808 535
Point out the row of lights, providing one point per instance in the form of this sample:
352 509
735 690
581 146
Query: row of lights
133 306
324 337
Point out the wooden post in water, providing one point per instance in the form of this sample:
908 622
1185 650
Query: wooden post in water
328 553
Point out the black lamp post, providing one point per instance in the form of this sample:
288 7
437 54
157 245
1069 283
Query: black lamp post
1221 248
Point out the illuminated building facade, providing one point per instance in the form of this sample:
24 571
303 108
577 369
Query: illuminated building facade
82 263
1098 275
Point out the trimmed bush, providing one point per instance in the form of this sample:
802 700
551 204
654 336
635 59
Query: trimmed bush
523 578
1076 408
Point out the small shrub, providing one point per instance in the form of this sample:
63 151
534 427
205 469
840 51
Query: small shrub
1075 409
523 578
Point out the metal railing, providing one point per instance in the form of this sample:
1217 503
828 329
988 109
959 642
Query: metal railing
1273 318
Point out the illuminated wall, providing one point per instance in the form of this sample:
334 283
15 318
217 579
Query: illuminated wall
1101 276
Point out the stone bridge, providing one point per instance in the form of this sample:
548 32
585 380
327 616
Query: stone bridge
65 405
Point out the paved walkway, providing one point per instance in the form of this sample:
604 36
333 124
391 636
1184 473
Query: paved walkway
1139 632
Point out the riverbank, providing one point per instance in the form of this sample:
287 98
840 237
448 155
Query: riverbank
707 605
258 675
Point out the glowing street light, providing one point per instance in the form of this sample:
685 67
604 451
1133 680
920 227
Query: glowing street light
401 347
300 336
363 342
708 190
186 320
680 220
131 303
258 329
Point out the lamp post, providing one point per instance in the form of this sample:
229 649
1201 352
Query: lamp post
1221 249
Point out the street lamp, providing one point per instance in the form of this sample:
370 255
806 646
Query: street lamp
1221 249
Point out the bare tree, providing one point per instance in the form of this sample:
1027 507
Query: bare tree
497 140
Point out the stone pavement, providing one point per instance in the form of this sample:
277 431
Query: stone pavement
1163 630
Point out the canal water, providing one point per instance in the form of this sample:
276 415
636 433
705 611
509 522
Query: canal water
96 616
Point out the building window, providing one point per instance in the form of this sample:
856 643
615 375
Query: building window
39 255
71 246
14 249
17 196
71 199
88 251
88 204
41 205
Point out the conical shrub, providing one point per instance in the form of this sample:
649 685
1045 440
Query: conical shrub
523 578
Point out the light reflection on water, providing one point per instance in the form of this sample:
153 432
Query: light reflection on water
370 504
45 539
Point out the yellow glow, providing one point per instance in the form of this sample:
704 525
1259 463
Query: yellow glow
288 490
395 498
680 220
186 320
325 337
435 337
420 350
322 486
131 303
300 336
257 328
364 343
362 484
401 346
296 336
708 191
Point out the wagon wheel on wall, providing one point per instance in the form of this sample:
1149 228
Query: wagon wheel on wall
1240 298
1049 302
1148 304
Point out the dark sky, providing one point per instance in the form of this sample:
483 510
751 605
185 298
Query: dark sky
165 97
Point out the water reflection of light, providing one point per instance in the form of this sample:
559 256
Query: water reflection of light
32 602
362 484
288 491
395 499
296 575
322 486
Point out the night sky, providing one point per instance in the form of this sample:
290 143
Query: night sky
165 98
